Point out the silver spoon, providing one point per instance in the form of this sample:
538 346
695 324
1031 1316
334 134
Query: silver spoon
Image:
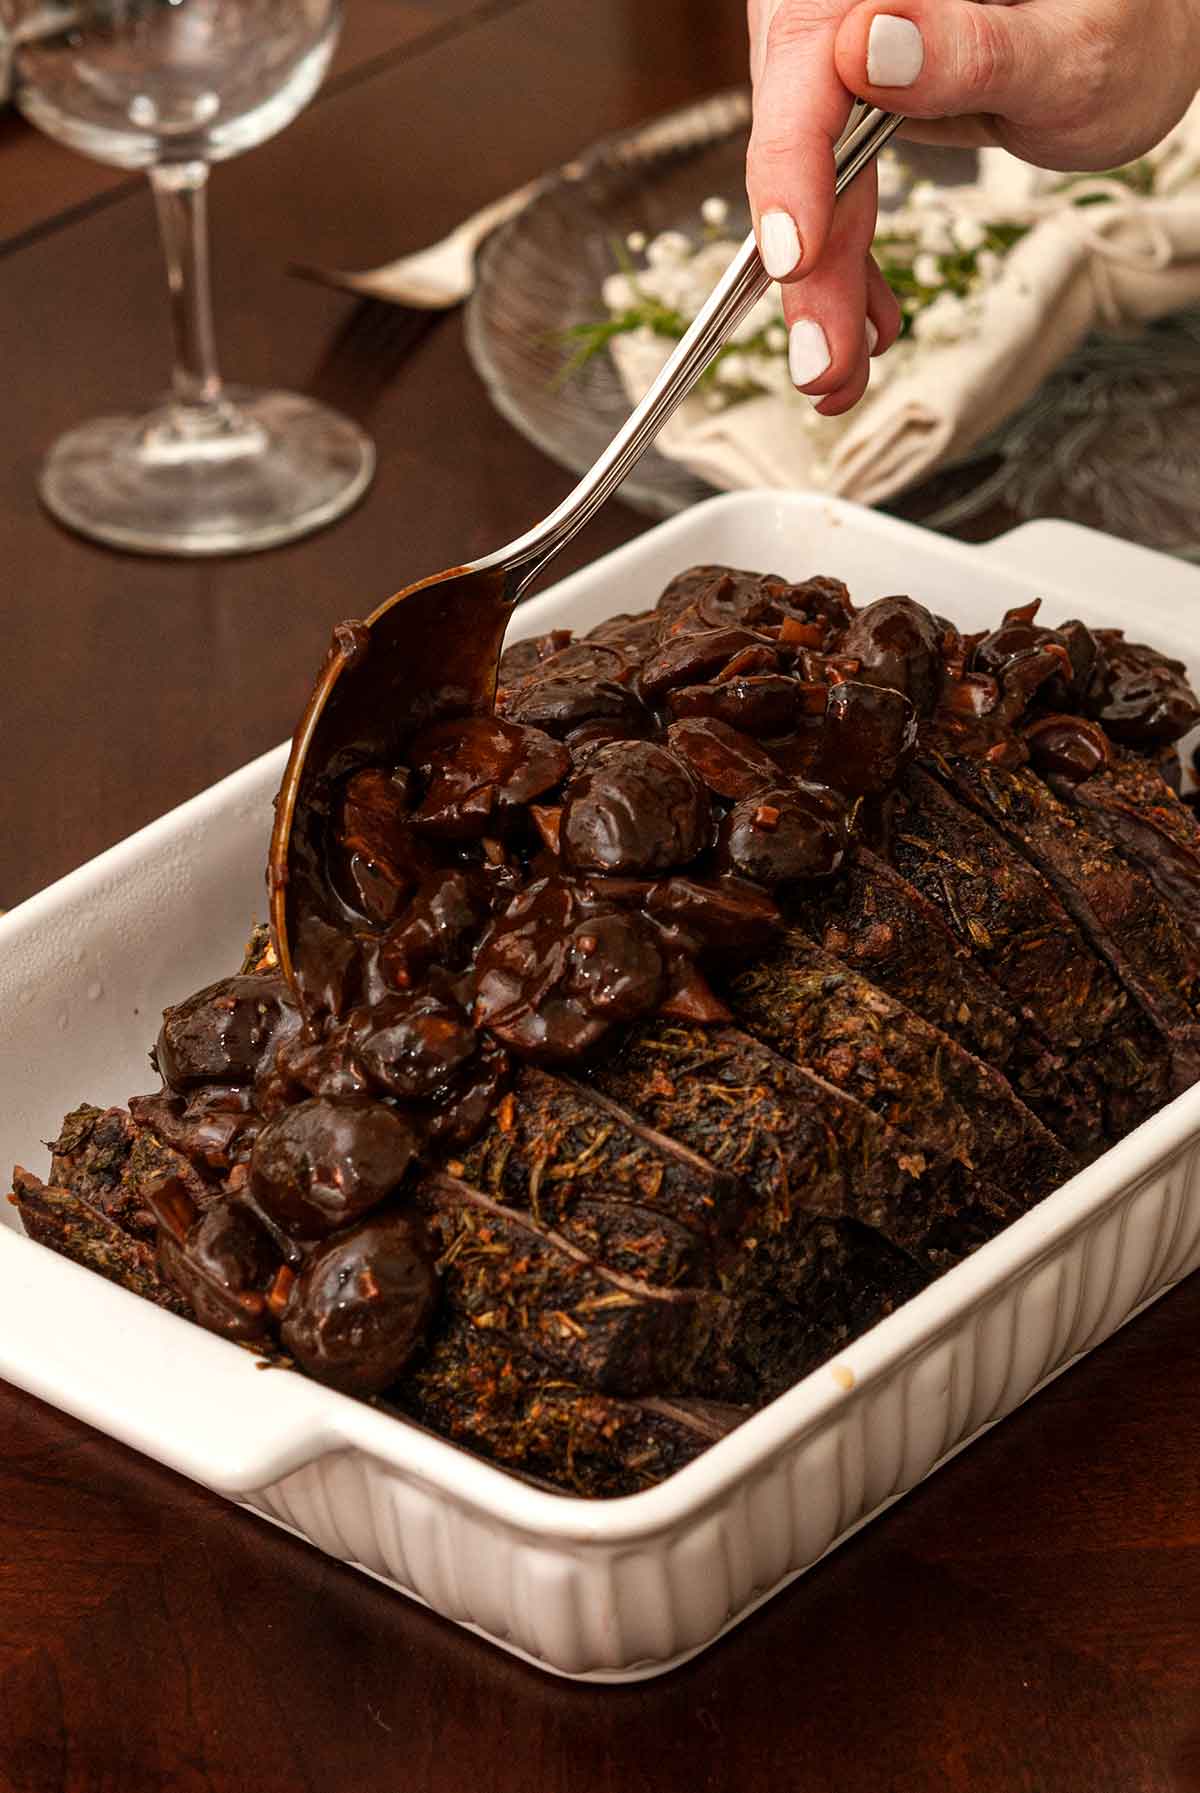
433 649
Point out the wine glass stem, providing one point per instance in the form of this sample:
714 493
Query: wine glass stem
180 196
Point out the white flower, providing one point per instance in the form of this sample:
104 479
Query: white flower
946 320
968 233
714 211
771 373
683 285
933 234
668 247
635 242
777 339
732 370
672 286
927 270
924 193
710 262
902 222
618 293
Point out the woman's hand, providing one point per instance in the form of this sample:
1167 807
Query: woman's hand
1067 84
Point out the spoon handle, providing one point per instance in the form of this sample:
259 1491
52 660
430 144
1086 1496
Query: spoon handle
741 286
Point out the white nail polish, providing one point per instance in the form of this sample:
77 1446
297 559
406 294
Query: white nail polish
808 351
872 337
895 52
779 244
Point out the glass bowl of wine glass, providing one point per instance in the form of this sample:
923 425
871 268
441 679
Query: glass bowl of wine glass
171 86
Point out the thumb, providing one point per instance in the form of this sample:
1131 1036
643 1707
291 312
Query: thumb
944 58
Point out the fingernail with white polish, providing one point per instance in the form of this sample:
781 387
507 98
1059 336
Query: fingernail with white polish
808 351
872 337
779 244
895 52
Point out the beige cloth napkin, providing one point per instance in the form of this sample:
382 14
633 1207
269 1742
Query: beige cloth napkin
1113 264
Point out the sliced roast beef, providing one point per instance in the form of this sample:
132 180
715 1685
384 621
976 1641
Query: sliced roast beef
552 1142
850 1218
880 925
508 1275
639 1242
477 1390
818 1013
923 941
1116 907
112 1160
805 1148
1002 908
877 923
78 1228
1135 809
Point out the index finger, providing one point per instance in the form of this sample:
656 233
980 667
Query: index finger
800 110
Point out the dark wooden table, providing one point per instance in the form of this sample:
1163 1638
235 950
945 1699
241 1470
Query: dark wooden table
1030 1619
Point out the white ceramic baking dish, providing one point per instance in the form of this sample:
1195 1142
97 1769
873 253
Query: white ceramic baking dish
606 1591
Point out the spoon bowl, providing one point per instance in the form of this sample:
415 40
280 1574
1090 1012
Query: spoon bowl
429 651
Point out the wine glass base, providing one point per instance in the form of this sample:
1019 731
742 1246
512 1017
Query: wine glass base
256 470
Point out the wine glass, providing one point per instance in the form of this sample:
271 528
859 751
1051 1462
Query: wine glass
171 86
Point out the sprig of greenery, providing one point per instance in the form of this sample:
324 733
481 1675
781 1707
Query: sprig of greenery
591 337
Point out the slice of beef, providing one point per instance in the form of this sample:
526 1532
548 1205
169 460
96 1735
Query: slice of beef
508 1275
818 1013
806 1148
850 1219
881 926
635 1203
1001 907
552 1142
1004 911
1134 808
91 1153
638 1242
478 1391
798 1297
109 1159
80 1229
1118 909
